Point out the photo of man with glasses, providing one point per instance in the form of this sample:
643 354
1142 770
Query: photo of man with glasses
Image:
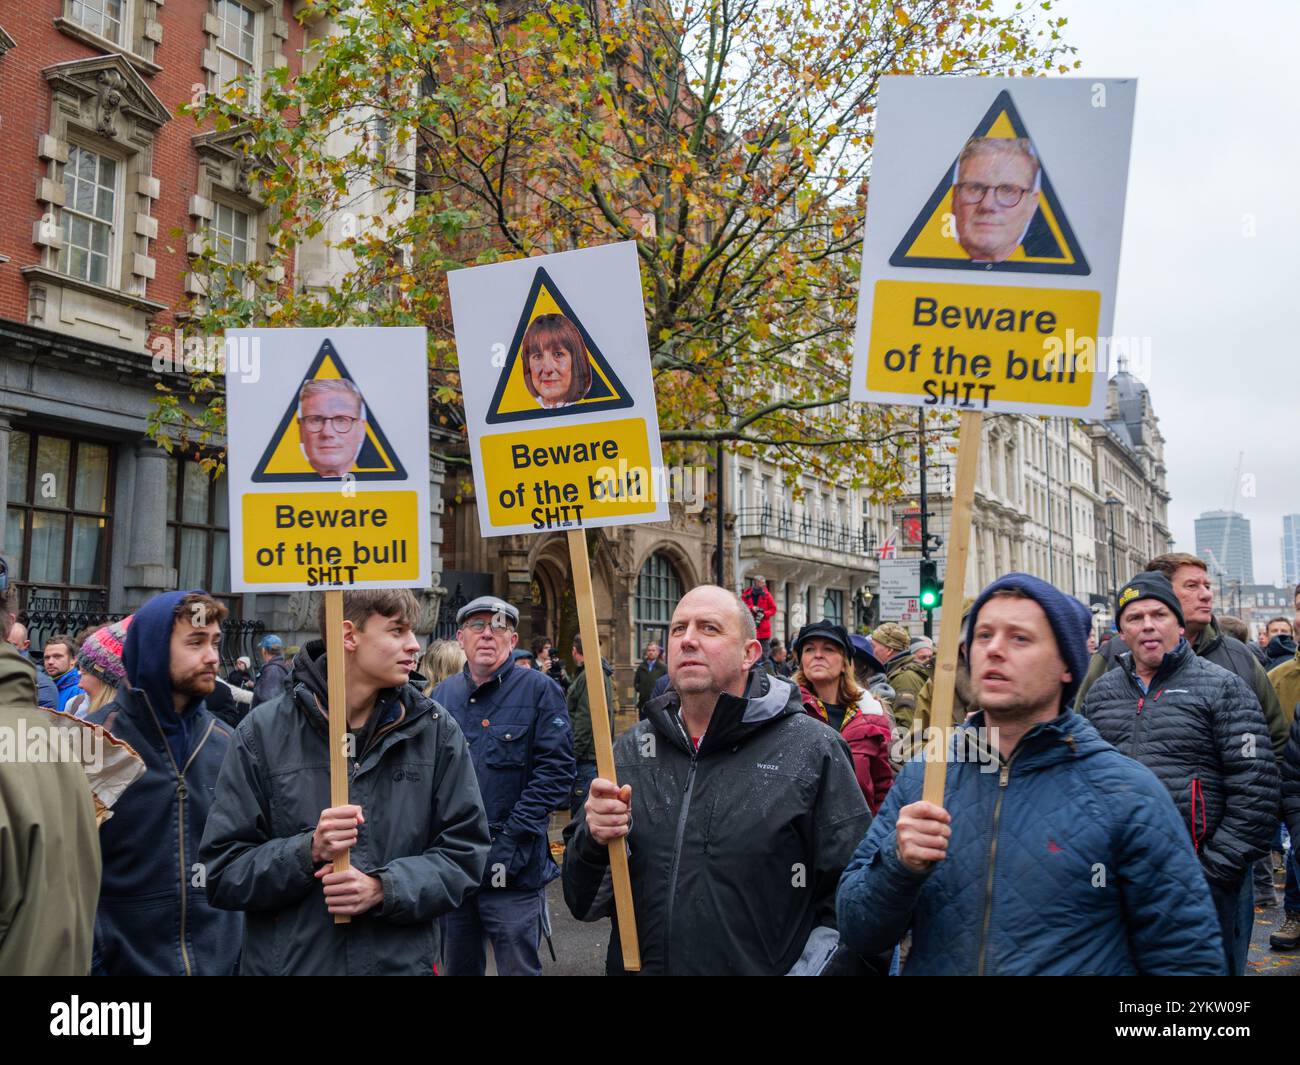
995 191
520 742
331 425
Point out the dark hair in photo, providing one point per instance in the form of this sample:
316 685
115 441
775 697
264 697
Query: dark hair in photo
555 330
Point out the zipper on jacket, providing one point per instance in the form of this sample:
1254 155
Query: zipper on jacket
182 792
1004 778
677 852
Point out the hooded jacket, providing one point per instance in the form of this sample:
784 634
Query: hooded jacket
1200 730
519 738
154 919
867 729
1280 650
425 833
1213 646
49 845
734 849
907 677
1066 858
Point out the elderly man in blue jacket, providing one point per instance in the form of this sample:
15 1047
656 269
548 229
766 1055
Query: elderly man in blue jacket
1053 853
522 749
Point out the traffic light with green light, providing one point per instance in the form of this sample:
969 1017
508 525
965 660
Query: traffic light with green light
931 592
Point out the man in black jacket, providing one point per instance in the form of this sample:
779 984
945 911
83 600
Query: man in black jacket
648 671
1201 731
744 812
415 825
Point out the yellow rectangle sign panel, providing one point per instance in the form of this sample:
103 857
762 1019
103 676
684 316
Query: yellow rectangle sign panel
331 540
969 345
563 477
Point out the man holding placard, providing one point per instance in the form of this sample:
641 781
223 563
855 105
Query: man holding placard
415 824
739 810
1060 856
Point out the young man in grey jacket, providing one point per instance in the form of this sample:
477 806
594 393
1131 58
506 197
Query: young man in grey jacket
415 826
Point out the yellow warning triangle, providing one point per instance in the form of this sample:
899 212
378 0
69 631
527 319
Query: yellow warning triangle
590 383
1047 245
284 458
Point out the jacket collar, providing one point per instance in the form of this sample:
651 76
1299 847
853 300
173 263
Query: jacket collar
767 698
1172 662
310 692
1209 639
1048 743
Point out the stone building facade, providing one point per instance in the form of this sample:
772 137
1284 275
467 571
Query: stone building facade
108 194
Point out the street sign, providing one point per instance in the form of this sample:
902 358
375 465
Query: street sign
900 581
991 286
328 460
559 399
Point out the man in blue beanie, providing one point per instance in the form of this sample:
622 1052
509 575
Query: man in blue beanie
1061 856
1200 729
154 918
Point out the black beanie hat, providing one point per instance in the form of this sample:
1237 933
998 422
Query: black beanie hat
1149 586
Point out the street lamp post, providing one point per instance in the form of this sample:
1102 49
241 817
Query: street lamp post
1111 503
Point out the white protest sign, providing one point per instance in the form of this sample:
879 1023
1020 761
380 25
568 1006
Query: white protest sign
992 243
559 399
328 460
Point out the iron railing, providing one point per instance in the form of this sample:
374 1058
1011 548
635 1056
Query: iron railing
784 525
46 617
445 629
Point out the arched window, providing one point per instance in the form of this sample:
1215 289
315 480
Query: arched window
658 587
833 606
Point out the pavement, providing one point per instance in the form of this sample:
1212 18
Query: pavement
1263 960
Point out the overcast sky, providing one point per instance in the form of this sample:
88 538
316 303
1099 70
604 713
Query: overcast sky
1216 153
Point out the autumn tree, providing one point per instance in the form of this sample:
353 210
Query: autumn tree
729 139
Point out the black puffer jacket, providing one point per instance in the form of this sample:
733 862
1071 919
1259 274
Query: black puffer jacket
735 850
425 834
1201 731
1222 650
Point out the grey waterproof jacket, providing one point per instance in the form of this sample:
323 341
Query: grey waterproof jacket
736 849
425 834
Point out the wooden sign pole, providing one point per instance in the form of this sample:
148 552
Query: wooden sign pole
582 593
954 587
337 694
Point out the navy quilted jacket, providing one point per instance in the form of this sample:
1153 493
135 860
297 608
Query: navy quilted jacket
1199 728
1067 858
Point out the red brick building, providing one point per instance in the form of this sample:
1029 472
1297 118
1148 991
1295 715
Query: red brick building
107 192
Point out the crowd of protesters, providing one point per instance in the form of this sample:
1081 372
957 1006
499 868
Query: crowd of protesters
1108 808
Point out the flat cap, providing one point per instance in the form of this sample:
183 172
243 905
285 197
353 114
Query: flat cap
487 604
